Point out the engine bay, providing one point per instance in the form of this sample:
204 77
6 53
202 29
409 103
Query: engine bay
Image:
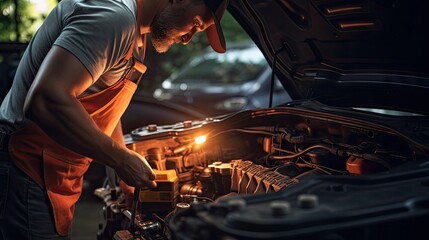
248 156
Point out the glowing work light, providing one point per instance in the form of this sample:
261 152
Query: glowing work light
200 139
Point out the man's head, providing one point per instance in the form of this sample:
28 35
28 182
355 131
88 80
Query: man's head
181 19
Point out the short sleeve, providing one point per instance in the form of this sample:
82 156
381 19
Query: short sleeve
99 36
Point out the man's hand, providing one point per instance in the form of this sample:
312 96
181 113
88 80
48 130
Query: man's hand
128 192
123 171
135 171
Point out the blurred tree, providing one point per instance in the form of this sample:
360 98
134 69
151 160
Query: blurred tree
19 19
8 20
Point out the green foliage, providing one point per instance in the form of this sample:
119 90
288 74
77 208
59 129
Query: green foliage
19 19
7 22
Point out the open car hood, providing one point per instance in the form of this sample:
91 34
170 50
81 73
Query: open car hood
366 53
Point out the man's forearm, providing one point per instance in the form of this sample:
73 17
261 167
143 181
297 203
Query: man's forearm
65 120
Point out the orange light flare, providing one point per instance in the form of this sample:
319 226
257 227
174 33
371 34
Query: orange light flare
200 140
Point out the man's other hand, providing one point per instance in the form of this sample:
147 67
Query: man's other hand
135 171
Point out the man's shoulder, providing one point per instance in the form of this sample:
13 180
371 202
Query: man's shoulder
110 17
102 9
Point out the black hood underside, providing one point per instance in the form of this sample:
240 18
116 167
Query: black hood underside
357 53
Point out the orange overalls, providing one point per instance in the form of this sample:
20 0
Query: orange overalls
58 170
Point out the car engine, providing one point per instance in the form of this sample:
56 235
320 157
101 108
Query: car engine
300 173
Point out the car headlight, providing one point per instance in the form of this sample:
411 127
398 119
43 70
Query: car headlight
232 104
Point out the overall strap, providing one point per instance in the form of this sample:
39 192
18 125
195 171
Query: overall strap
138 68
138 36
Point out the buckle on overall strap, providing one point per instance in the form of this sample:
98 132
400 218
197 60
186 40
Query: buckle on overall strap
136 72
140 66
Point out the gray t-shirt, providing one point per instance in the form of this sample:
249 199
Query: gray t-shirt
97 32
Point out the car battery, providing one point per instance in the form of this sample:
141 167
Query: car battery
164 196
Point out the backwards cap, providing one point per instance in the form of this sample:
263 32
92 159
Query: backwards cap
214 32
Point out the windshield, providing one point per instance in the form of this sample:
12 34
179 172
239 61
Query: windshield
234 66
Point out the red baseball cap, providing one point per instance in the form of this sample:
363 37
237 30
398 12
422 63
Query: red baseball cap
214 32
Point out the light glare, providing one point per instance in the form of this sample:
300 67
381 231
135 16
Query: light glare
200 139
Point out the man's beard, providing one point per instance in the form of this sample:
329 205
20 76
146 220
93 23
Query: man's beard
165 27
